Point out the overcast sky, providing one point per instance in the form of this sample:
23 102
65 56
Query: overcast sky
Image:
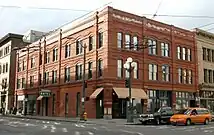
22 17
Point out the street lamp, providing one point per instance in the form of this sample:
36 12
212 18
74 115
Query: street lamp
129 66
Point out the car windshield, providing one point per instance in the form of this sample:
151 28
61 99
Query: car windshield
166 109
183 111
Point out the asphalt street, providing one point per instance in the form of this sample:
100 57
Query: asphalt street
17 126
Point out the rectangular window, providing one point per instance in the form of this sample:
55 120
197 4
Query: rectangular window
40 79
7 67
165 73
100 68
24 65
135 71
179 52
100 37
204 53
54 76
67 50
212 55
213 76
91 43
32 64
208 55
18 86
119 40
184 53
31 81
89 70
188 54
55 54
128 41
47 57
210 76
153 72
46 76
152 47
165 49
19 66
119 68
79 47
66 103
190 76
205 76
53 104
40 59
1 53
184 76
135 42
23 83
0 69
4 68
67 74
79 72
180 75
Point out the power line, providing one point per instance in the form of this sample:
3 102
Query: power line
182 16
157 9
44 8
205 25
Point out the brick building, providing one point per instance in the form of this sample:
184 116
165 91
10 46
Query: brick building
163 72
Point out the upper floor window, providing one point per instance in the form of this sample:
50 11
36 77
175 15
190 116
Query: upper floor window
165 49
100 39
67 50
7 67
67 74
32 62
47 57
153 72
54 76
135 71
184 53
0 69
120 68
1 53
24 65
184 76
100 67
4 68
204 53
31 81
79 47
165 73
89 70
205 75
23 83
128 41
55 54
46 77
180 75
188 54
208 55
79 70
91 43
6 50
18 85
119 40
179 52
152 46
135 42
190 76
40 59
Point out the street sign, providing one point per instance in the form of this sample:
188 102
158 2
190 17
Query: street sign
45 94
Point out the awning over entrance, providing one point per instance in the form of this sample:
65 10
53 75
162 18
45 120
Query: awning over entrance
95 93
135 93
40 98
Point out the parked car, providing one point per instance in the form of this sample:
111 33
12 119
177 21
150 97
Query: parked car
160 117
191 116
212 116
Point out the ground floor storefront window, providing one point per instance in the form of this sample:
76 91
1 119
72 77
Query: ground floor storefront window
184 99
157 99
207 100
31 105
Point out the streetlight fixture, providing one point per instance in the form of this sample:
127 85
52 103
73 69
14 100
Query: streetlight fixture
129 66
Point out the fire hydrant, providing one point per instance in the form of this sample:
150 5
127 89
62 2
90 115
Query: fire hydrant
85 116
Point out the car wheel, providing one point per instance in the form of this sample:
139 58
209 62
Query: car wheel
206 121
157 120
188 122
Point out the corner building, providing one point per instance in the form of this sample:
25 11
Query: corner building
165 73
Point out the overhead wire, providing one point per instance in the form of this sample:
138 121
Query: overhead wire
157 9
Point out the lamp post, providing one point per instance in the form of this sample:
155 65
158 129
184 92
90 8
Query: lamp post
129 65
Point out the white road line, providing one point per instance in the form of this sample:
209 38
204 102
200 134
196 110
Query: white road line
208 131
53 129
126 131
77 133
44 126
64 130
48 122
82 126
95 128
56 123
90 133
162 127
43 121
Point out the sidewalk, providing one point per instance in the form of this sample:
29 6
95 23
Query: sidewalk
72 120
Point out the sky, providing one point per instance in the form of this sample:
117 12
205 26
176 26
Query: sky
19 16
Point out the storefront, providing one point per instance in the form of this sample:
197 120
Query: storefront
157 99
184 99
207 100
43 102
31 105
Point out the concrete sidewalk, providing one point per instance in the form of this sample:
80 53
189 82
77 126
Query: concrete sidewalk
72 120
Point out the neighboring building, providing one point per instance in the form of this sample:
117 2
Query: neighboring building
205 47
8 44
166 71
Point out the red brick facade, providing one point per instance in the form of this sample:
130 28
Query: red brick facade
109 22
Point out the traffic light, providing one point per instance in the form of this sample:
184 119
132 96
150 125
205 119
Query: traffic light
126 83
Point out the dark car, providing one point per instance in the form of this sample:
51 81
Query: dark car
162 116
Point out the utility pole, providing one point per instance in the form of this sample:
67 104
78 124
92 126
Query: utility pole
83 82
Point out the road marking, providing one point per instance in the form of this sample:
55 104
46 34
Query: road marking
162 127
48 122
44 126
43 121
64 130
53 128
56 123
208 131
95 128
90 133
77 133
126 131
